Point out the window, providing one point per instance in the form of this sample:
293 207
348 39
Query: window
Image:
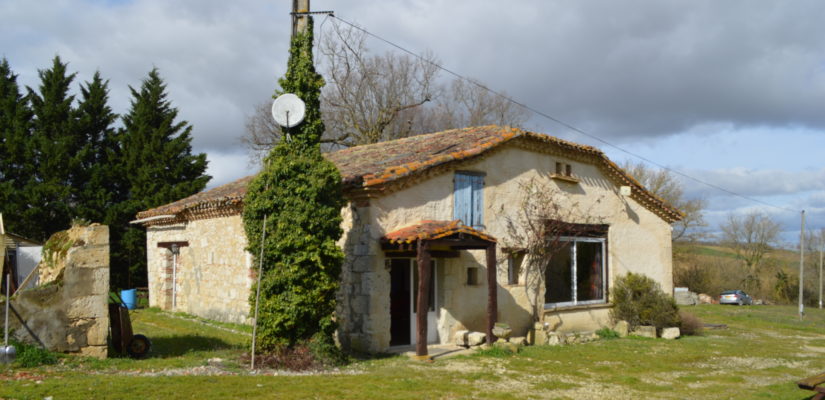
468 198
576 273
514 261
472 276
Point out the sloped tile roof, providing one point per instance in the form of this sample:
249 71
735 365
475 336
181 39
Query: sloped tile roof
371 170
428 230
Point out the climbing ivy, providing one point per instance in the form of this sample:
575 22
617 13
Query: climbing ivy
299 193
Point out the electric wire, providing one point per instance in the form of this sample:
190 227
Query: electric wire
557 120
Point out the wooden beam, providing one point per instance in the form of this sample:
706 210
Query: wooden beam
433 254
492 292
423 298
168 245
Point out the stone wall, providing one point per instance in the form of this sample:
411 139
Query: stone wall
213 274
69 312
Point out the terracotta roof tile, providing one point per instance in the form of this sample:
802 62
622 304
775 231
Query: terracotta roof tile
428 230
376 167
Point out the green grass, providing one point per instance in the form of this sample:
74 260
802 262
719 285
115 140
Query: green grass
761 354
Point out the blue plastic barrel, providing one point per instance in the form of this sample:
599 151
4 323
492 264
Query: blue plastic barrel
129 298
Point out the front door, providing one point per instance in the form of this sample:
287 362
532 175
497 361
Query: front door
400 296
403 302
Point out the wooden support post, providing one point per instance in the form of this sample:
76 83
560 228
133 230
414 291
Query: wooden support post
422 306
492 292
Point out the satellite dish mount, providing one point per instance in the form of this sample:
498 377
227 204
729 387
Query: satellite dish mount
288 111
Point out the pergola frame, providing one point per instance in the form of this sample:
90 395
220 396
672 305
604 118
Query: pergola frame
423 254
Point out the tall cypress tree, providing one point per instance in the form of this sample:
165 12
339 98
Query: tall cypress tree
299 193
48 192
158 166
95 181
15 152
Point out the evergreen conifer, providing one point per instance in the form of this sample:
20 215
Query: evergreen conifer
49 192
15 151
157 166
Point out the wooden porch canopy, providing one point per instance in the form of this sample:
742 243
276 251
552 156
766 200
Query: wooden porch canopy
442 239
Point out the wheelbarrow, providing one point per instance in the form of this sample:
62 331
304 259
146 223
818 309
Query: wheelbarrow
123 340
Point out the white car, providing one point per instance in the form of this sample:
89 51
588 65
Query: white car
737 297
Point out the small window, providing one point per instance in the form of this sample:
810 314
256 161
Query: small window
472 276
568 170
514 262
559 168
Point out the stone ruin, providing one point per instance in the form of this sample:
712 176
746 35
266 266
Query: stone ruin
68 312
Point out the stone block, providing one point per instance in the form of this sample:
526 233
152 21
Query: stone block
556 339
670 333
95 351
89 257
507 346
622 328
461 338
97 333
87 307
502 331
519 340
476 338
96 235
540 337
645 331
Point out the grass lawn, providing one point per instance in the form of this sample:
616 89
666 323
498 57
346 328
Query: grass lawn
763 351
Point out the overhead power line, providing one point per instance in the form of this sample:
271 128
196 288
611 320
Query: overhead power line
557 120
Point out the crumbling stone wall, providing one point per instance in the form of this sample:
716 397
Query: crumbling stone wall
68 312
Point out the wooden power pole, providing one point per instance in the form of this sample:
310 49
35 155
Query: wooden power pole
300 16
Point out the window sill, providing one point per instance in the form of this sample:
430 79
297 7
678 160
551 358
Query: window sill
594 306
565 178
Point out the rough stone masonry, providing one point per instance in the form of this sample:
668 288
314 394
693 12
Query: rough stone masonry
68 312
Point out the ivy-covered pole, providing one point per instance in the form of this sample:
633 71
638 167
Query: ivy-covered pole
300 193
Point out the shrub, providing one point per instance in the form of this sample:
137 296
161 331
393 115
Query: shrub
690 324
607 333
639 300
32 356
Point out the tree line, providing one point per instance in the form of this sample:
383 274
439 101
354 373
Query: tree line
67 158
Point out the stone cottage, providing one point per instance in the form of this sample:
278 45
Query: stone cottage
433 214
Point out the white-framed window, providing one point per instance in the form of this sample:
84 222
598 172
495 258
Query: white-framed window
577 273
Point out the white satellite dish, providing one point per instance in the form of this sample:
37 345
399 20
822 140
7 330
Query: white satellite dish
288 110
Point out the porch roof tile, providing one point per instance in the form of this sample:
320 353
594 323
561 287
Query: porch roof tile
429 230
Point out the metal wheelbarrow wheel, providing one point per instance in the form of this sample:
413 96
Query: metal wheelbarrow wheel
139 346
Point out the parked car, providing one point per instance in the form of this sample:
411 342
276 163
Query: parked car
737 297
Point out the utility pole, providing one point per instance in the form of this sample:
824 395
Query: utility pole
300 16
801 264
821 240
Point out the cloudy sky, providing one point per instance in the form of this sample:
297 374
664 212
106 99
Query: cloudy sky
729 92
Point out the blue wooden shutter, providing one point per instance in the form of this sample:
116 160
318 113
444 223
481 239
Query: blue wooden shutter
477 184
463 199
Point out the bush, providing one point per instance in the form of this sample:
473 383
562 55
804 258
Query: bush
607 333
32 356
639 300
690 324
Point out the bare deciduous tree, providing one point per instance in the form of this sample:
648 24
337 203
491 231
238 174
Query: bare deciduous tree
663 184
751 236
372 98
544 217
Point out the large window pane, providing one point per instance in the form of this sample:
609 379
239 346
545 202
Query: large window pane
589 272
559 277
